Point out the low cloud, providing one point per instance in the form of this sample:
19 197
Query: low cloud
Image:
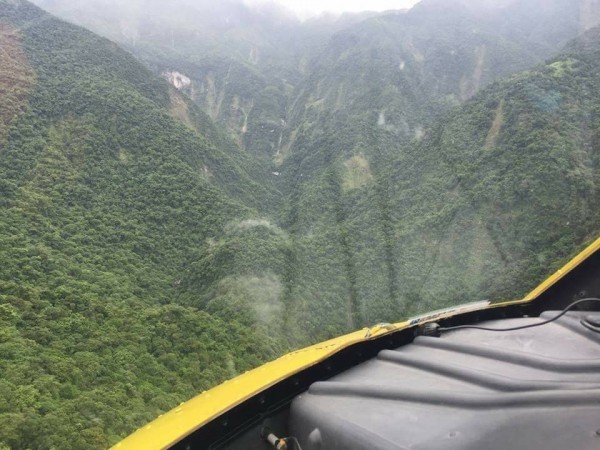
308 7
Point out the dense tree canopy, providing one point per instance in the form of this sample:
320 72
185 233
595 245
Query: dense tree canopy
148 253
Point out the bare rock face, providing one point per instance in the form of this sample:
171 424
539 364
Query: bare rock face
177 79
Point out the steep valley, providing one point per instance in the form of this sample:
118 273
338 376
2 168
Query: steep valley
219 192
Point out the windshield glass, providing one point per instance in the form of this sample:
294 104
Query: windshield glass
191 188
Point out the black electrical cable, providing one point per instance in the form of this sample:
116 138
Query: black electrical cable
591 324
522 327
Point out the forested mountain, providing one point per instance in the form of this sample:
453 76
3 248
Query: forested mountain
507 184
391 242
335 173
105 197
256 68
240 63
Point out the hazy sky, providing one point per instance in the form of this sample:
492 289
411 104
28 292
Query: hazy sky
317 6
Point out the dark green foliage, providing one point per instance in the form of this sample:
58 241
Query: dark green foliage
491 201
254 67
105 201
444 213
146 258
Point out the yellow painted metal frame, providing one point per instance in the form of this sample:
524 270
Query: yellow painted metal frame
560 273
180 422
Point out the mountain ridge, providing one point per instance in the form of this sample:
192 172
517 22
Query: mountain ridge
148 253
105 198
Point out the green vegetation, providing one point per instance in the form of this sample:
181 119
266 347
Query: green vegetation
253 69
493 199
148 254
105 202
16 78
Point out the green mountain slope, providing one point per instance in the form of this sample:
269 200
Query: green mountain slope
391 75
242 61
263 75
493 199
105 199
334 109
520 169
146 257
372 95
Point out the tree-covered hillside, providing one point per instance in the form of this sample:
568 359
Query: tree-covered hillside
258 71
488 202
383 168
242 60
515 174
376 90
106 197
